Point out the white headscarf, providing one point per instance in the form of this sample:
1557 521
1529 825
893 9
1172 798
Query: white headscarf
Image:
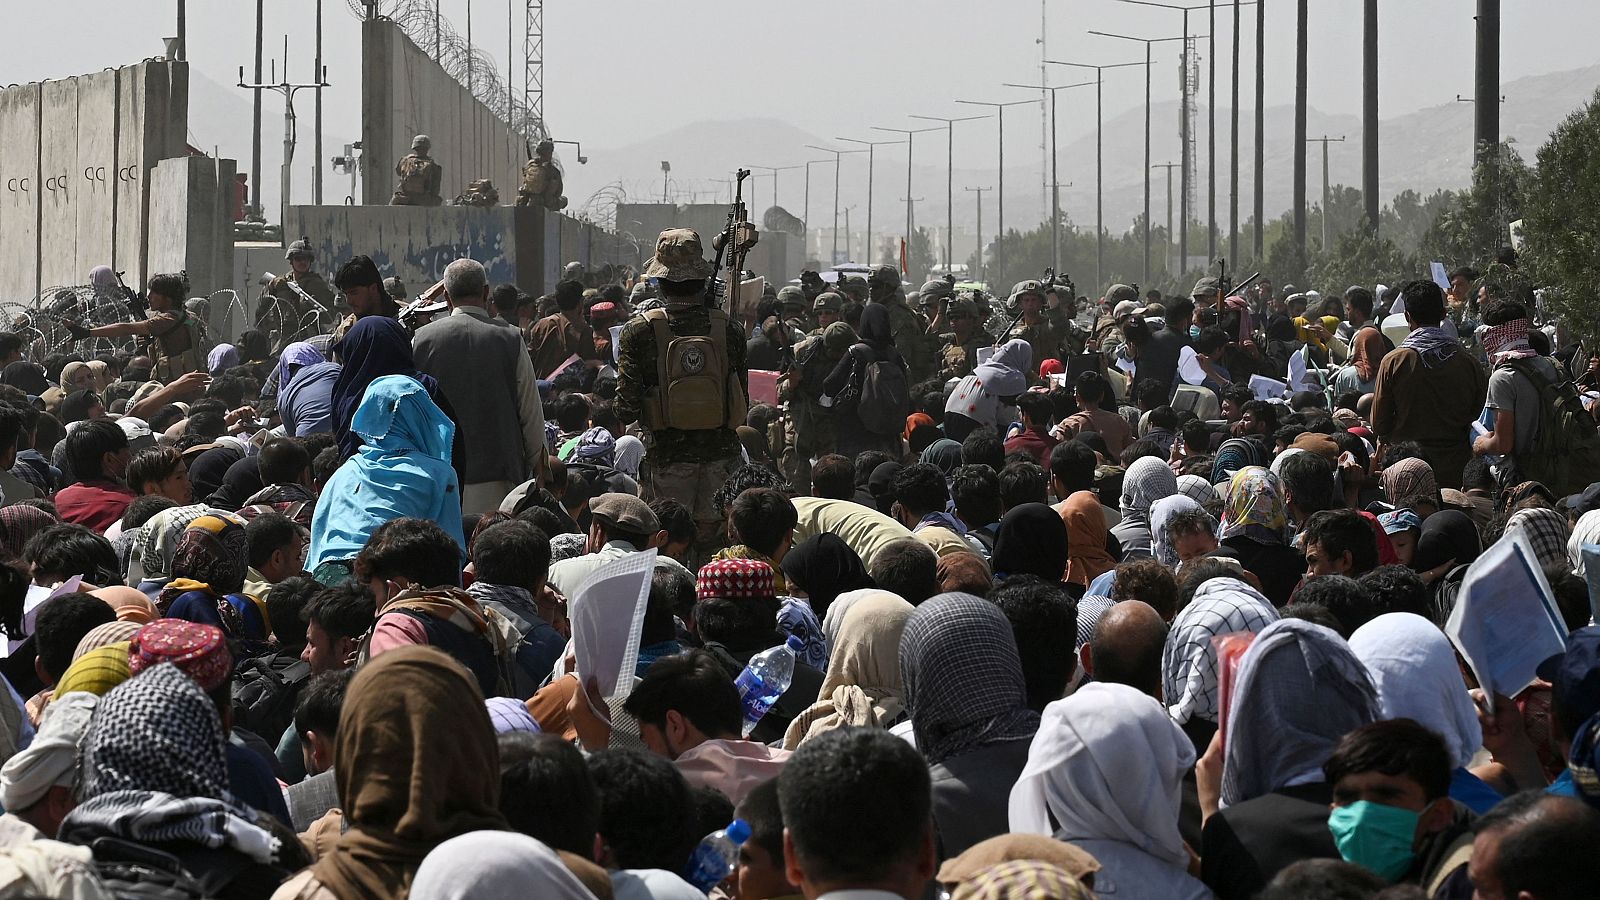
629 454
1413 666
833 620
1161 513
1277 462
1189 659
1107 763
494 864
863 687
1149 479
1586 531
52 758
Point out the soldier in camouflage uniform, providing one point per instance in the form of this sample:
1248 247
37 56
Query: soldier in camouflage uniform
172 336
419 176
282 312
1034 326
815 429
796 308
960 354
910 333
541 180
686 465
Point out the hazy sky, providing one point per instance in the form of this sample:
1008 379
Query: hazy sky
619 71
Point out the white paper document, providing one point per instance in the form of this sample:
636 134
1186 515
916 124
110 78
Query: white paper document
1505 621
1267 388
607 614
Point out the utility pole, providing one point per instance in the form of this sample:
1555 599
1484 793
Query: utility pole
1211 136
1300 130
469 47
1166 254
666 169
180 51
774 170
1486 89
1369 110
1000 174
979 191
1148 74
872 147
1099 160
911 145
255 128
1327 197
1233 148
316 142
1055 193
836 156
287 89
1259 182
950 178
805 217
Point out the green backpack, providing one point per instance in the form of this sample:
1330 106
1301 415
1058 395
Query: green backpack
1565 455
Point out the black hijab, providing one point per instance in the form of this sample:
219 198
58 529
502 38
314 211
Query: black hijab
77 405
875 327
1032 541
881 485
825 567
26 377
241 482
209 469
1447 534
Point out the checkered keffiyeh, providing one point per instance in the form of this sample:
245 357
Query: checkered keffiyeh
156 732
1546 531
1022 879
735 579
199 651
963 677
1189 661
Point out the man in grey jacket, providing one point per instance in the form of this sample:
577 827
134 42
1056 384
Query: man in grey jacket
484 370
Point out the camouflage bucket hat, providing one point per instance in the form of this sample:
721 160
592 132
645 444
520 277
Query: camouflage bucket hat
828 300
679 257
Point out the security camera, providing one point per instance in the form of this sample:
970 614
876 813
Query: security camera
583 160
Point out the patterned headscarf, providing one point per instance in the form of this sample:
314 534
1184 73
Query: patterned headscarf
1161 543
597 446
158 539
1409 478
1198 489
1026 879
1233 455
214 552
963 677
96 672
156 732
1255 507
116 632
1189 659
1149 479
1546 531
19 522
1586 531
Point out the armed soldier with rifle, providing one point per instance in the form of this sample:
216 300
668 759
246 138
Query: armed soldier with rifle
173 337
295 304
681 372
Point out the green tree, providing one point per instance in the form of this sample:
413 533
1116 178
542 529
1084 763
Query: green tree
1472 229
1561 221
1358 257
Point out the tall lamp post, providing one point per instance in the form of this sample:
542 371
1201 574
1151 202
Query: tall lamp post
872 148
1099 158
773 171
1000 190
1148 72
1055 183
911 145
950 178
836 155
979 191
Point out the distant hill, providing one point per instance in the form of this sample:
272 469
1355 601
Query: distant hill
1424 150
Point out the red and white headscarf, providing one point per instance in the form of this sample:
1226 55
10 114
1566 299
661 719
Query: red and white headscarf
1506 341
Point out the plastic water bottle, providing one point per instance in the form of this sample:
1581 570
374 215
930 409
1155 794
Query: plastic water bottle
717 856
764 680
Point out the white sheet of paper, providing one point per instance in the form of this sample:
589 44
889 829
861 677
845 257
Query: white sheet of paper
1440 276
1267 388
1126 365
1505 622
985 354
32 601
1297 370
607 614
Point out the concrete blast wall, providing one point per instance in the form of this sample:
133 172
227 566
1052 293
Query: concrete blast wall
75 161
405 93
523 245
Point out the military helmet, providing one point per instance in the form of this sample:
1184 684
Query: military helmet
545 147
828 300
422 141
791 294
964 306
884 276
394 287
937 288
1030 286
300 248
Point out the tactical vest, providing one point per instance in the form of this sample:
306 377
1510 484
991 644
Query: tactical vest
696 387
415 179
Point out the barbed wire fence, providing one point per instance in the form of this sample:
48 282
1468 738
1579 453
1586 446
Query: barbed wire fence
471 66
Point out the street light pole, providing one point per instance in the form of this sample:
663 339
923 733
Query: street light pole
1000 193
836 155
1326 195
1099 160
774 170
872 147
1148 74
1166 254
979 191
911 145
950 178
1055 192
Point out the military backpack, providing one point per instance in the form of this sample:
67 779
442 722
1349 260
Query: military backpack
696 389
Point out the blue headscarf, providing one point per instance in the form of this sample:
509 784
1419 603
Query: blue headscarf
403 469
374 347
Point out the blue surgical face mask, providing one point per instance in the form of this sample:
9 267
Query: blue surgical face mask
1194 332
1376 837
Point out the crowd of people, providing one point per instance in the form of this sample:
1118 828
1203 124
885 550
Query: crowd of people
1137 596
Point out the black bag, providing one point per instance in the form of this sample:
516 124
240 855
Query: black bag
885 398
1565 455
130 871
264 694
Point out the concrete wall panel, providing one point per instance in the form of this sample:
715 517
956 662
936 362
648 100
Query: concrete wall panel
19 193
137 95
58 163
95 176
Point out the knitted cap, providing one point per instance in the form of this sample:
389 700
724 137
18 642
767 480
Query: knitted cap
735 579
200 651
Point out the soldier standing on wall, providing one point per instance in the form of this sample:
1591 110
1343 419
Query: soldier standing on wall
174 335
910 332
541 180
419 176
681 375
288 295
